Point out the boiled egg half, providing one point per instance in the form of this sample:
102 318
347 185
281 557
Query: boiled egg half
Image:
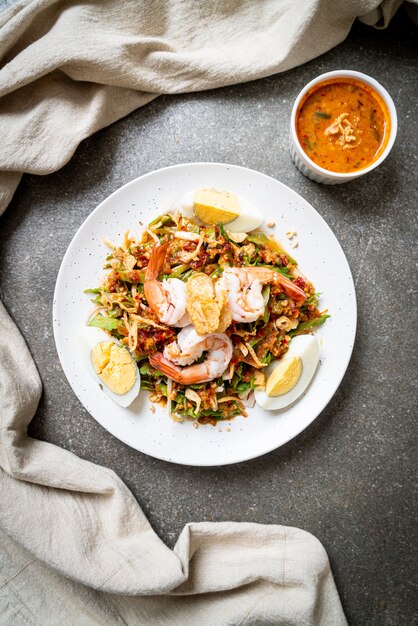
213 206
110 364
287 378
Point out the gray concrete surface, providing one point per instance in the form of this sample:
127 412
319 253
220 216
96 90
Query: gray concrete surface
349 477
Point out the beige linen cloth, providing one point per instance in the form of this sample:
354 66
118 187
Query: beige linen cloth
75 548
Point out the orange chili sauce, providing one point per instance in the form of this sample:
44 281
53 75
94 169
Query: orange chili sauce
360 137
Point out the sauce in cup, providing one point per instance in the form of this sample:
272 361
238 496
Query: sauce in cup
343 125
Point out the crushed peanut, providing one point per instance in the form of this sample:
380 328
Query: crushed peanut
271 224
294 244
290 234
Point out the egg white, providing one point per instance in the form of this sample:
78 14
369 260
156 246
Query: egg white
307 348
249 219
187 206
89 337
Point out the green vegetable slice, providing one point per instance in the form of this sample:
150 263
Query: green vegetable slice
177 271
93 291
275 268
161 219
316 322
266 297
223 232
106 323
322 115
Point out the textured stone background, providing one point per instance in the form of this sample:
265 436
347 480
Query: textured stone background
348 478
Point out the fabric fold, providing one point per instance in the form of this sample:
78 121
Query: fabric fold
87 522
69 69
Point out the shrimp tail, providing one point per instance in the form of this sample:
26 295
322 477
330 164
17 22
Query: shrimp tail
166 367
290 289
265 275
156 261
262 274
153 290
191 375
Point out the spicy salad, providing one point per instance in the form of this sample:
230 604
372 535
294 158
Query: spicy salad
204 312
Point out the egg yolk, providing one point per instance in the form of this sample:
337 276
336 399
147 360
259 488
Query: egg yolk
213 206
114 365
284 376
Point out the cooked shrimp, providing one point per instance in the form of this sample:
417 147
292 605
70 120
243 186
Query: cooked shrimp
244 286
189 347
168 298
244 295
266 275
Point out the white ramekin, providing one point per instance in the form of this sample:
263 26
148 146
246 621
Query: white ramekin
314 171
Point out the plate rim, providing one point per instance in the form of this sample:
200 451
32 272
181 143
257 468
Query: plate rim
60 278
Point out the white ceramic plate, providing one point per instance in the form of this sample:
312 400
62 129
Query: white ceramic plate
320 257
